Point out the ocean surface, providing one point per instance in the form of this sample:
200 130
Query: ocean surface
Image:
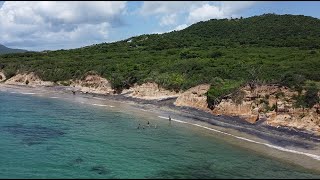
51 137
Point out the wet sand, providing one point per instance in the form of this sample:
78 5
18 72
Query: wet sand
289 145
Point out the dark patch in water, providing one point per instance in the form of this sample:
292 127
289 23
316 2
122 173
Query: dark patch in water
34 134
204 171
76 161
49 148
99 169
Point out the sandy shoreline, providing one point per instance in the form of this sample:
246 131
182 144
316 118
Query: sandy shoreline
264 137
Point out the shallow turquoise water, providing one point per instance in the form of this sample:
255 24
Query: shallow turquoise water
53 138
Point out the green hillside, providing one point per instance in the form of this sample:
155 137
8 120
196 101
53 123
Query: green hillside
6 50
225 53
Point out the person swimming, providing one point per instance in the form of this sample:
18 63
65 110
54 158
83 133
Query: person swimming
138 126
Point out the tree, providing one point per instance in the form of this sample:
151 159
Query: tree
311 96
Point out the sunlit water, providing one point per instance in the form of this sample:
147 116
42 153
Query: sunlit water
42 137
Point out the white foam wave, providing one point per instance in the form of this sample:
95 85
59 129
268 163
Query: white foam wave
103 105
98 98
54 97
28 93
249 140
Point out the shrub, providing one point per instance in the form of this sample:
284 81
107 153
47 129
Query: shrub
215 54
188 54
311 97
293 81
238 96
220 89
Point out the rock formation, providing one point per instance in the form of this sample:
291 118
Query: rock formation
93 84
150 91
194 97
275 104
30 79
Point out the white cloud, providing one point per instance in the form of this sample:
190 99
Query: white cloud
168 20
64 24
165 7
180 27
194 11
177 28
168 12
205 12
218 11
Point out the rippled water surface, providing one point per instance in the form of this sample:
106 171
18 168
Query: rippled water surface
43 137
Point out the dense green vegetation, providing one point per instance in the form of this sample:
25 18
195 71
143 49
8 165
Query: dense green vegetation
6 50
225 53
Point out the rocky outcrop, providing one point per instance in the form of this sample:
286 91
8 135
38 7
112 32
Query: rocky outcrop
256 102
273 103
304 119
30 79
92 84
194 97
2 77
243 110
150 91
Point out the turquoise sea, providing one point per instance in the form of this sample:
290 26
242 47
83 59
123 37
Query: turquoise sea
42 137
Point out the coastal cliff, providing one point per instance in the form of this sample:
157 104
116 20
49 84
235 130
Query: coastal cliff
30 79
92 84
276 105
194 97
271 104
150 91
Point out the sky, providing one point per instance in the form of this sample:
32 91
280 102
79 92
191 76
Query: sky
52 25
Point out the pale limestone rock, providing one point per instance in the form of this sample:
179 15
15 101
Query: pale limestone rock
28 79
150 91
93 84
194 97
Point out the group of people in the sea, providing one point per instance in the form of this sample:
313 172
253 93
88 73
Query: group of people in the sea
148 125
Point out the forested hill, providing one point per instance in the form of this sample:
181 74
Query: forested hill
226 53
265 30
6 50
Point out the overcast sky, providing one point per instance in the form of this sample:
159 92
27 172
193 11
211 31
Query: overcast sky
42 25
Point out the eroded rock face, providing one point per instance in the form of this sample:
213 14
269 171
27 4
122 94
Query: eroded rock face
2 77
275 104
194 97
244 110
93 84
150 91
305 119
28 79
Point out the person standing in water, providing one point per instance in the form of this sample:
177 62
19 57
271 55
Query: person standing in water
148 124
169 118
